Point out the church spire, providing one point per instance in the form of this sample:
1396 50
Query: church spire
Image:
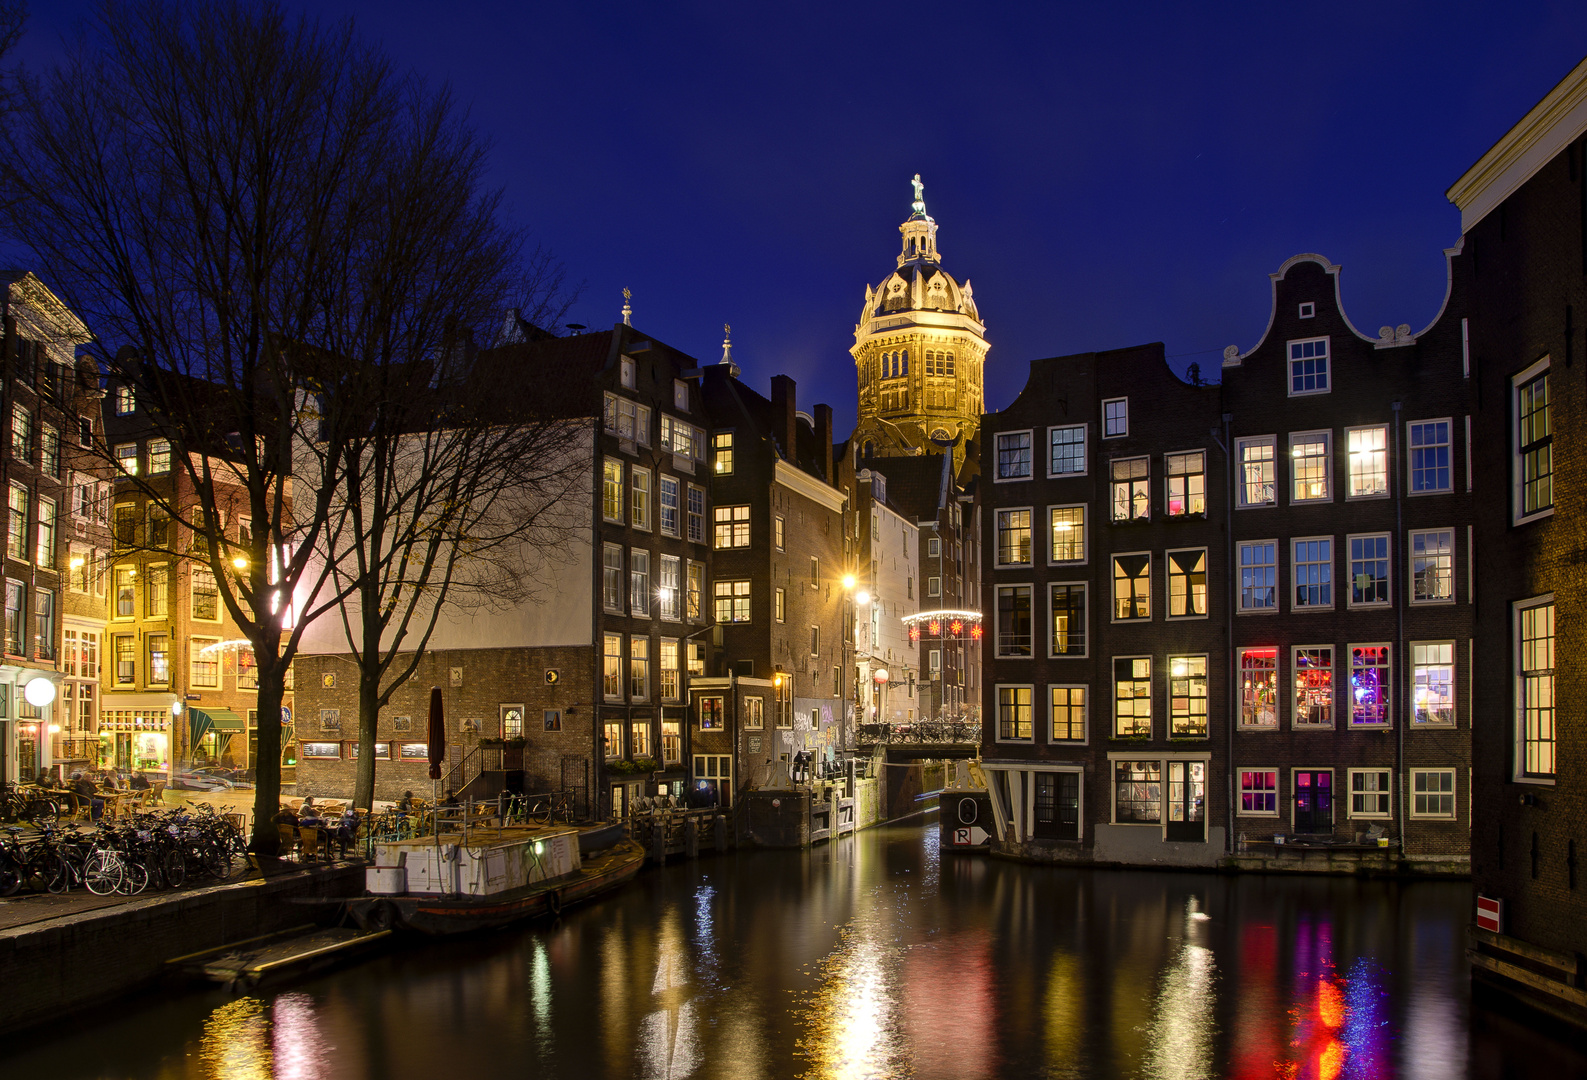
920 231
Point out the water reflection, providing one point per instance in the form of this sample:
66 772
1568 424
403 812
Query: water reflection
877 956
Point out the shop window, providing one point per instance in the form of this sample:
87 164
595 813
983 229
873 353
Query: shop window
1369 685
1259 792
1314 686
1433 682
1258 688
1138 792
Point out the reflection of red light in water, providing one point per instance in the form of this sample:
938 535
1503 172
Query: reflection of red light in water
1258 1041
1317 1035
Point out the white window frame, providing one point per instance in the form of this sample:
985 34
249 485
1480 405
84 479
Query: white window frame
1412 668
1206 697
997 718
1327 438
1130 483
1085 546
613 602
1388 558
1386 472
662 479
1169 476
1278 683
1113 587
997 456
1151 694
1384 795
1085 715
1410 456
1518 513
1168 585
998 530
1410 562
1453 793
1295 563
1276 791
1085 456
1052 626
1308 310
1239 568
1242 486
1518 771
644 516
997 616
1295 711
1387 686
1290 360
1123 431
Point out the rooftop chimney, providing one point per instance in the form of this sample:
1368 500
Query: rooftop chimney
785 424
824 442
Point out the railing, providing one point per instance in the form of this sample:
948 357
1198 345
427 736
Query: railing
923 731
465 772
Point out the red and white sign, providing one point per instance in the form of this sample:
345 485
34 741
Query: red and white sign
970 836
1490 914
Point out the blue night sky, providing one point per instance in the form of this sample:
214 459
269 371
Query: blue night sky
1105 174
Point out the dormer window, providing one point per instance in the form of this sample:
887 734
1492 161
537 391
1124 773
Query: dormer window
1308 310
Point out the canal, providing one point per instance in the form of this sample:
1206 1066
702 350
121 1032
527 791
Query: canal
873 956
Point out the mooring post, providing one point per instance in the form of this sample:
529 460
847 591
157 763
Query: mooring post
691 837
658 840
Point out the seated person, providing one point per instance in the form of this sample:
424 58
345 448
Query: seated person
309 815
140 782
405 804
347 829
286 816
88 795
451 798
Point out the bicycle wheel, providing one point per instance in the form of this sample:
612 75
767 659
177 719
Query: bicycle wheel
103 874
173 868
55 873
135 878
10 877
540 813
44 811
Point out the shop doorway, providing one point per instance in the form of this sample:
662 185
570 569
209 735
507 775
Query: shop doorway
1187 801
1057 805
1314 801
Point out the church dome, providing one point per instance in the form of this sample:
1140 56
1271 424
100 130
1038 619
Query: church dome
919 284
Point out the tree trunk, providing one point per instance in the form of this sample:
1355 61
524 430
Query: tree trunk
267 766
368 719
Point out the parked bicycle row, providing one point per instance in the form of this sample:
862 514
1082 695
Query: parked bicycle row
167 849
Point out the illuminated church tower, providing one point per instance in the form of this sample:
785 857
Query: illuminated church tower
919 347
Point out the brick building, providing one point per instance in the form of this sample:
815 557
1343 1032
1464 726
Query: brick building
1523 208
1224 614
49 405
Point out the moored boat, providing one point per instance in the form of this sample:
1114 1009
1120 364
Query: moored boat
490 877
245 965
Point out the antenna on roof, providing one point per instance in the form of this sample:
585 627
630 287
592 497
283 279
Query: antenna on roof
727 350
628 309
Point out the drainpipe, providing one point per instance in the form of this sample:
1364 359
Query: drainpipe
1399 642
1228 617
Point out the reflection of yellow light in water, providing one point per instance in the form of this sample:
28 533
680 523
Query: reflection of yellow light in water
236 1042
850 1023
667 1046
1179 1042
1064 1007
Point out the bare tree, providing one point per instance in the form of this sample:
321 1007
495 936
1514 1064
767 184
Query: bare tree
248 202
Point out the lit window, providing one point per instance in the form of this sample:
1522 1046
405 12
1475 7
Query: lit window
1013 620
732 526
1369 685
206 595
1258 688
1429 445
1068 526
1130 479
1308 367
1369 570
612 730
1259 792
1013 537
203 661
732 601
1534 696
159 658
639 668
1066 450
127 458
1187 483
694 590
126 400
49 451
44 548
1115 418
612 667
1068 605
1132 696
1068 704
1132 587
156 591
612 490
1369 793
1187 583
159 456
126 592
1314 686
1256 482
1013 455
669 588
722 452
1259 576
1432 566
639 490
1014 710
17 522
1138 792
1534 446
639 583
779 604
779 537
754 713
22 433
1187 696
1310 466
1313 572
1433 793
1433 682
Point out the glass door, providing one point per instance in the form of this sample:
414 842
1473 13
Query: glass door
1187 801
1057 805
1314 801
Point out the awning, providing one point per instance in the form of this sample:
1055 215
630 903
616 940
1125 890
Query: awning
201 722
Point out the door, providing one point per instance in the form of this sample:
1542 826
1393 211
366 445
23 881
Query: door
1057 805
1314 801
1187 801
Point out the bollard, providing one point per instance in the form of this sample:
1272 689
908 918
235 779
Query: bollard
721 832
691 838
658 841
